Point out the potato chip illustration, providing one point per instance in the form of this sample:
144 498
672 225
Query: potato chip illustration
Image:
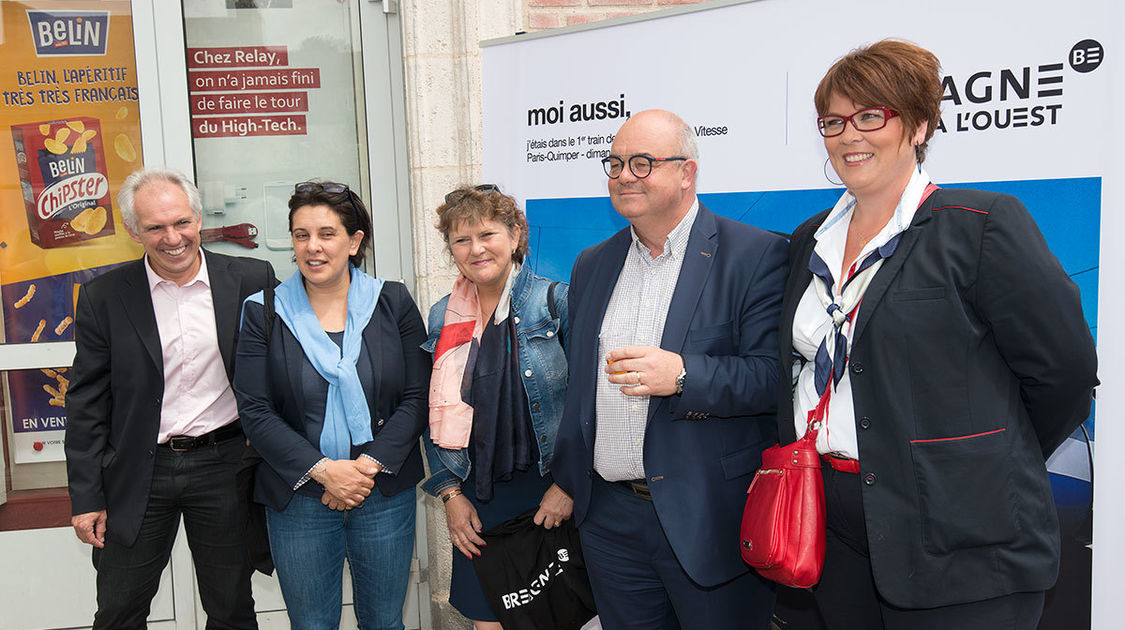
96 220
76 125
124 148
38 330
62 134
56 402
54 146
122 112
79 223
49 372
45 129
80 143
64 324
20 303
51 390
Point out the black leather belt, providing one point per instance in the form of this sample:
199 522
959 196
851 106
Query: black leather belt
182 443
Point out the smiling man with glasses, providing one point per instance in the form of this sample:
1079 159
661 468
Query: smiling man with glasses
672 392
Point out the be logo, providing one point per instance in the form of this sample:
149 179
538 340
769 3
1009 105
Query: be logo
1085 56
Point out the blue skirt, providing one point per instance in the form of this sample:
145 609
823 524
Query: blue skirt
509 499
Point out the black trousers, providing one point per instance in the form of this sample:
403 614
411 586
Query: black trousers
848 600
199 485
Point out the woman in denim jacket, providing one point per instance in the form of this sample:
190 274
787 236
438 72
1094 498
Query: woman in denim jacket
498 384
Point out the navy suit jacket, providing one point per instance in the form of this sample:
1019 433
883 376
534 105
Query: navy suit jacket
971 362
271 398
701 448
117 385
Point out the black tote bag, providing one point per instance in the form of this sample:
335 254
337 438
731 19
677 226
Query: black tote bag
535 578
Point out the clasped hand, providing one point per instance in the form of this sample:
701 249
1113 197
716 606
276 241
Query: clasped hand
347 482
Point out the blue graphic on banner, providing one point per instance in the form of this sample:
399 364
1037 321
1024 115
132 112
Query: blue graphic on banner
1068 212
41 309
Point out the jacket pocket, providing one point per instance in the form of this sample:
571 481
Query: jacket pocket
911 295
741 462
965 491
108 456
714 340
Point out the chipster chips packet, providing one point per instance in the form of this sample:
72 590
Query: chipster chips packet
64 180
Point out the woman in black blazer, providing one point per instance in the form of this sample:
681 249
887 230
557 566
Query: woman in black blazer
947 366
333 397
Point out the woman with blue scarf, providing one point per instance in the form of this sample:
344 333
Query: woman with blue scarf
332 394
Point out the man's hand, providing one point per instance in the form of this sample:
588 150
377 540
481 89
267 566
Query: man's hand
555 507
90 527
644 370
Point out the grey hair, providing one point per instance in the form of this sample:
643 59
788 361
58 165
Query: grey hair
144 176
689 148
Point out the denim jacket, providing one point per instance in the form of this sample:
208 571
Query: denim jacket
542 358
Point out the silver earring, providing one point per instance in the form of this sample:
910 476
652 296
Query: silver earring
829 177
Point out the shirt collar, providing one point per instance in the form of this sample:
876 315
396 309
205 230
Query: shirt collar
155 280
904 212
676 242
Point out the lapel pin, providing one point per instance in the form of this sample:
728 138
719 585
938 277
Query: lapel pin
705 254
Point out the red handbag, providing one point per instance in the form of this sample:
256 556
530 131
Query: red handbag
783 522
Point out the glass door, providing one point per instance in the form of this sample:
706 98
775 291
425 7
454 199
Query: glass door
276 98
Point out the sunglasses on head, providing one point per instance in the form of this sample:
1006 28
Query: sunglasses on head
460 193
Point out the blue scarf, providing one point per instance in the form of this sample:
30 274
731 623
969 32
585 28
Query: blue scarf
346 414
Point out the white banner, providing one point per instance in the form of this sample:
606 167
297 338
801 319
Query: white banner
1028 110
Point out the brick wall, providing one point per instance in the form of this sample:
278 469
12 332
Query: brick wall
544 14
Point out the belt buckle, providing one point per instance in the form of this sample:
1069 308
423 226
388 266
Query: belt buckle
187 440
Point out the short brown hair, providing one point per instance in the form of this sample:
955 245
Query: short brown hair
889 73
472 204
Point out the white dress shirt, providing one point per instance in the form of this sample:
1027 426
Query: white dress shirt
811 322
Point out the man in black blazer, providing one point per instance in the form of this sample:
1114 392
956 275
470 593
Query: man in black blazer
152 427
658 454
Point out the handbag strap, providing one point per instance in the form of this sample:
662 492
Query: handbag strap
817 416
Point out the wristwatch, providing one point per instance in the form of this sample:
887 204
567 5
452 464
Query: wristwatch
680 381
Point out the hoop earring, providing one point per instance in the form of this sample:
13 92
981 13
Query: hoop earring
829 177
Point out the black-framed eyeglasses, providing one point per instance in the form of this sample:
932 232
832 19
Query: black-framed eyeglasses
456 195
866 119
640 165
328 187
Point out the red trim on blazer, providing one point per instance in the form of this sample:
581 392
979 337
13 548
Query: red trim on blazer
962 437
961 208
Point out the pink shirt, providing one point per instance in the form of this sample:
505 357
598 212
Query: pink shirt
197 395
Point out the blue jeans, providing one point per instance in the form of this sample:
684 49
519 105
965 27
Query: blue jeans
309 543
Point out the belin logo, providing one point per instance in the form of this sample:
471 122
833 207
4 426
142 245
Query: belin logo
69 33
1011 98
